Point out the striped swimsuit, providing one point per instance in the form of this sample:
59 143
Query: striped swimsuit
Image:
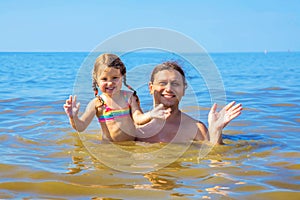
111 114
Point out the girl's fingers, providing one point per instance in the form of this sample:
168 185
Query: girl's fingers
74 101
69 100
159 107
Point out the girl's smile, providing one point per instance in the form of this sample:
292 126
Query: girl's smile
110 81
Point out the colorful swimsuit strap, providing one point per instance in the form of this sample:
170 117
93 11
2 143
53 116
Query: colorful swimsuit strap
111 114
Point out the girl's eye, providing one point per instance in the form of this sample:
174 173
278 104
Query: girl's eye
103 79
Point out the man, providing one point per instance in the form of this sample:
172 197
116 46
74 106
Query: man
167 85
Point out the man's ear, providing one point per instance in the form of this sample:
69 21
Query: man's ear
150 86
185 87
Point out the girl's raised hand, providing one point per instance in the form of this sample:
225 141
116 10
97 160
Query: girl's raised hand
160 112
70 107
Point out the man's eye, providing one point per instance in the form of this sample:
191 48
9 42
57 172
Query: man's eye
175 84
162 83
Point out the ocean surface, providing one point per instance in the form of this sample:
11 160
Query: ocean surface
42 157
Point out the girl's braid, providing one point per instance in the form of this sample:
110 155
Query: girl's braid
130 88
94 85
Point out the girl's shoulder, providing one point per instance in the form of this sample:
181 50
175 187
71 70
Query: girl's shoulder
130 96
126 93
93 105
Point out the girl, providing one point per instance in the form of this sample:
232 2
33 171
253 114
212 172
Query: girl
115 109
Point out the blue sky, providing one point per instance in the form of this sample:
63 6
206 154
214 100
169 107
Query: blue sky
217 25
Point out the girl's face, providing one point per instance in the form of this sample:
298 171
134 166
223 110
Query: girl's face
167 88
110 81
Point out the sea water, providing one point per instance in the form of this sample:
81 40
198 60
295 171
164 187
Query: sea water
43 157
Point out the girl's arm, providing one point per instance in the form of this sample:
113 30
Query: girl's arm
72 109
141 118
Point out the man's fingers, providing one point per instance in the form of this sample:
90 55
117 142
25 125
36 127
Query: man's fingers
213 108
232 116
238 107
235 108
229 105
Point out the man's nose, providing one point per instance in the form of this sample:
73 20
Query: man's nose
168 87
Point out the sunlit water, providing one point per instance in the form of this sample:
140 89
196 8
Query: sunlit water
43 157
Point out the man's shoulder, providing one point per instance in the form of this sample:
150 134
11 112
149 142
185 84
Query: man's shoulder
190 120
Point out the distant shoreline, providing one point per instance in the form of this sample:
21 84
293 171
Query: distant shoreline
233 52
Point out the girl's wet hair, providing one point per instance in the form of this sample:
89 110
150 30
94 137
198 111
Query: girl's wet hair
170 65
108 60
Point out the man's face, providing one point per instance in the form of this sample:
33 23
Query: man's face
167 88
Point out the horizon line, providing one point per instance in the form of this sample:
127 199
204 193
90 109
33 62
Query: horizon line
263 51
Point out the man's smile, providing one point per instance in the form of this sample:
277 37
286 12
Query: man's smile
168 96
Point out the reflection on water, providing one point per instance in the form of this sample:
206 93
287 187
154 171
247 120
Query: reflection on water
42 157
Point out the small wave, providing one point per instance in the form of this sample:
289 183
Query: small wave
284 105
9 100
273 88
